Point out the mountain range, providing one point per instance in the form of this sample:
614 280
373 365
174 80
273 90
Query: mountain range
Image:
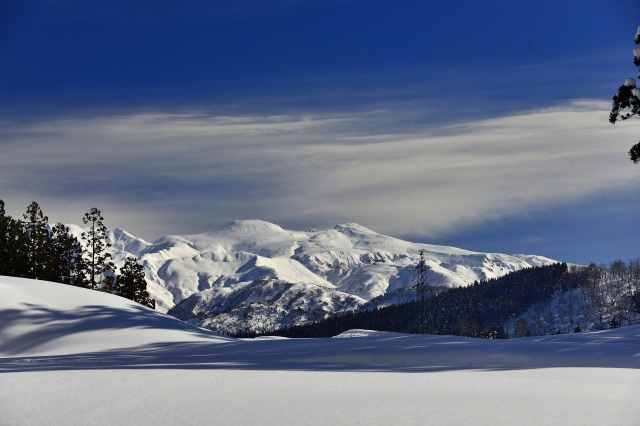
255 275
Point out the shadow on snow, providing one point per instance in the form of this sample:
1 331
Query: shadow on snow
386 352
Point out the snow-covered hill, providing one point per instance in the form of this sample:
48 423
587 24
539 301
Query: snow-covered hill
71 356
44 318
256 270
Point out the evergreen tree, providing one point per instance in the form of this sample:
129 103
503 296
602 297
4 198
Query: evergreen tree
97 263
132 285
626 102
4 229
16 245
13 246
39 253
69 267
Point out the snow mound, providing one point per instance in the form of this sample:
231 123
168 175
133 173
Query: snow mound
361 333
44 318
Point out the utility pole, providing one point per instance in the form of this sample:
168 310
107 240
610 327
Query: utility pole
422 288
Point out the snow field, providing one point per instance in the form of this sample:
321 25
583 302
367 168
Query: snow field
70 356
219 396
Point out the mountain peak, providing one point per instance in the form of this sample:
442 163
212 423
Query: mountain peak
249 226
353 228
122 240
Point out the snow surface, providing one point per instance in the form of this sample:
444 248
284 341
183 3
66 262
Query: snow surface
71 356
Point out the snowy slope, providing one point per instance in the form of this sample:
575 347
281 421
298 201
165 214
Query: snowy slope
39 317
290 273
261 306
76 357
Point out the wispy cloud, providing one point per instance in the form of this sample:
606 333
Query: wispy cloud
184 173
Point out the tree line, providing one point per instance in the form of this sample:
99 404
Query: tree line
478 310
608 297
533 301
32 248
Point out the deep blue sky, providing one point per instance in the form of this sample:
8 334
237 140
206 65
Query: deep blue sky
178 117
212 53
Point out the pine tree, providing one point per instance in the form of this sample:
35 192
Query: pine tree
15 248
69 267
39 255
97 263
626 102
4 229
132 284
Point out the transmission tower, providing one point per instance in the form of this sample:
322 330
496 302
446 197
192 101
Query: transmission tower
422 288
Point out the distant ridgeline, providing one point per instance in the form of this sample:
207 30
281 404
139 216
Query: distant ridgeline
485 308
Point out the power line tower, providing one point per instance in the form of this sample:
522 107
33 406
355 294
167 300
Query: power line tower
422 288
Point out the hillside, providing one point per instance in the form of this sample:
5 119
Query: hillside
40 318
486 309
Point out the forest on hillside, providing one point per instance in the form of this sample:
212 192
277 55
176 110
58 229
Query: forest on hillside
542 300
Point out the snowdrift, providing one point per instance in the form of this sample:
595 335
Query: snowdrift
44 318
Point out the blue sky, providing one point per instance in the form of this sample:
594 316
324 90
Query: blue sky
481 125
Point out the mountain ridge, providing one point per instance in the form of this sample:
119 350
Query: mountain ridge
261 269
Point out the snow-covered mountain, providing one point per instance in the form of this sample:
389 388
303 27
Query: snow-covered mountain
255 272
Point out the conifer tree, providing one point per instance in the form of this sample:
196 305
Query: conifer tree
97 262
132 285
39 256
15 247
69 267
626 102
4 229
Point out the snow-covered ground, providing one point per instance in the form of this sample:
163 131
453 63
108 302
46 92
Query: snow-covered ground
71 356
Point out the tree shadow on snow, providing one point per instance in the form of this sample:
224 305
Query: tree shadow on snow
382 353
47 325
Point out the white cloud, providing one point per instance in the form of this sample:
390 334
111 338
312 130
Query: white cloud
158 173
